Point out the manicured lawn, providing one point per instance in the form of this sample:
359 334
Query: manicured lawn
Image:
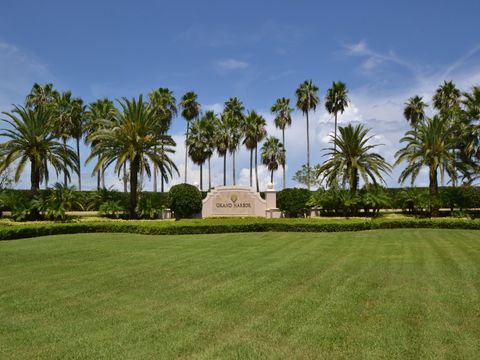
404 294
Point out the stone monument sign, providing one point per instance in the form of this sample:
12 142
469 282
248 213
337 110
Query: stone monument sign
228 201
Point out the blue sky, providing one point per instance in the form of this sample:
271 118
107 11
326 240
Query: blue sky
256 50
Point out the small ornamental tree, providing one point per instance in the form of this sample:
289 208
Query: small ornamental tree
185 200
294 202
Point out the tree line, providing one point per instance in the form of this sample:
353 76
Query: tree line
133 137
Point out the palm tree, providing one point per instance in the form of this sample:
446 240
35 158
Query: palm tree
41 95
446 97
190 110
100 115
209 125
414 111
352 159
31 140
133 138
233 112
428 146
471 128
164 106
336 101
283 118
77 130
254 131
307 100
199 148
222 140
272 154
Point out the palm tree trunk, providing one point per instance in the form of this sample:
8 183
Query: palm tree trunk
98 176
433 187
256 167
335 134
308 153
284 159
155 169
125 181
134 167
35 185
225 169
233 169
271 176
65 178
186 150
201 177
251 167
79 165
209 176
103 177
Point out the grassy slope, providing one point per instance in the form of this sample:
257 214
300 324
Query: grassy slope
378 294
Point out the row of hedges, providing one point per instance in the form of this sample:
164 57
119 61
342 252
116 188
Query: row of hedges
216 226
296 202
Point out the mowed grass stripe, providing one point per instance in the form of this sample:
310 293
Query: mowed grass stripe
377 294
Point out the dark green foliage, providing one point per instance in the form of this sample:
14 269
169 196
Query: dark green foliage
294 202
111 209
217 226
185 201
149 207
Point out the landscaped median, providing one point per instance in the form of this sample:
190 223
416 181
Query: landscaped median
10 231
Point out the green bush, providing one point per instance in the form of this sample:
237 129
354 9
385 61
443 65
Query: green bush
294 202
111 209
149 207
185 201
215 226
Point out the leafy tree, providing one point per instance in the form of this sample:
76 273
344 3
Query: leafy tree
198 142
190 110
336 101
307 176
352 158
209 124
254 131
272 154
133 138
446 97
307 100
431 147
283 118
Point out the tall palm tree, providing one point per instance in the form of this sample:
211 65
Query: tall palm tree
283 118
209 125
471 130
165 108
77 130
41 95
352 159
336 101
63 121
30 139
414 111
133 138
100 115
234 114
446 97
307 100
428 146
222 140
199 148
190 110
272 154
255 131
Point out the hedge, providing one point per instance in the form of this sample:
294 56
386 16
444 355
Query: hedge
216 226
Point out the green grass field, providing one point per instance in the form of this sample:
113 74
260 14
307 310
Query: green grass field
405 294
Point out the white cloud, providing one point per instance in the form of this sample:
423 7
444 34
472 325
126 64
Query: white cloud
231 64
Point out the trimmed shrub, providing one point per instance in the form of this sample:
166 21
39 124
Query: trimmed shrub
185 201
294 202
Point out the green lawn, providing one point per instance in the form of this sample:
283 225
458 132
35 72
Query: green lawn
404 294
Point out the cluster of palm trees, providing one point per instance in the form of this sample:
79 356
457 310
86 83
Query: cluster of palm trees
447 143
133 137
